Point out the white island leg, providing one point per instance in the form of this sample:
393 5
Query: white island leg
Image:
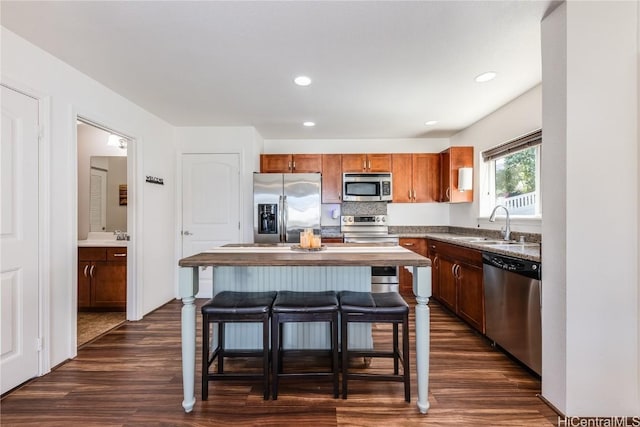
422 291
188 289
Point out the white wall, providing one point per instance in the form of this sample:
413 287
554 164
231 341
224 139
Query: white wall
516 118
69 92
399 213
328 146
590 193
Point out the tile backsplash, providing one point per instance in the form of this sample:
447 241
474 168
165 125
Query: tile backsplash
364 208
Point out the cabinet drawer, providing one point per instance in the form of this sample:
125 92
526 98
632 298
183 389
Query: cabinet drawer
458 253
116 254
92 254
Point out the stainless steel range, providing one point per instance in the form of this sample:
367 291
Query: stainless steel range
372 229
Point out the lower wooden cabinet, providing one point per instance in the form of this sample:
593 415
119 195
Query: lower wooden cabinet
418 246
458 281
102 278
332 240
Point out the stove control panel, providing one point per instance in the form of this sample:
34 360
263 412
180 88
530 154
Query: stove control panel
364 219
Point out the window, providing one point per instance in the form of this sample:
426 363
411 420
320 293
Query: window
513 176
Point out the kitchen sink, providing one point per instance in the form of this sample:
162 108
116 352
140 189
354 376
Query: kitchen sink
511 244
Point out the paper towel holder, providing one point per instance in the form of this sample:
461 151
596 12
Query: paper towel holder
465 179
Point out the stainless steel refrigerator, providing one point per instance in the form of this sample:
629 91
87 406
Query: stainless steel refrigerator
284 204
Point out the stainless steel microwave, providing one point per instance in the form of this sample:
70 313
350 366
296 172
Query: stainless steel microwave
366 187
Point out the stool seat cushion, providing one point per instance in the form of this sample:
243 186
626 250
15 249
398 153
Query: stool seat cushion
230 302
301 302
372 302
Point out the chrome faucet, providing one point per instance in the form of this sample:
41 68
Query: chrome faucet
507 230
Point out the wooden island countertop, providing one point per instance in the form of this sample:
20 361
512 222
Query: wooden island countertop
333 254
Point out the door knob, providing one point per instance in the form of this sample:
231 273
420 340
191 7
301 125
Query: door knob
187 233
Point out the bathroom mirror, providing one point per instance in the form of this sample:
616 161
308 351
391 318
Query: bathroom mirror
107 207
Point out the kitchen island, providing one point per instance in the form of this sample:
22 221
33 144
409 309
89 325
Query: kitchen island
279 267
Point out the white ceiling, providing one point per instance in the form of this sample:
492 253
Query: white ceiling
380 69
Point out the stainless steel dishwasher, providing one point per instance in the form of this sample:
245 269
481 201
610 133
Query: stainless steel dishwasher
512 305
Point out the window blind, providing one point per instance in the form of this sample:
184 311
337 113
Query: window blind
529 140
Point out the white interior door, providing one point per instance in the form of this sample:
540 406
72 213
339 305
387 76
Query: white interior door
210 206
19 296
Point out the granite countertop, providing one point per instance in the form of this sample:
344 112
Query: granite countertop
527 250
462 236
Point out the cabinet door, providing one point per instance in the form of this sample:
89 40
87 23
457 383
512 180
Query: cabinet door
451 160
109 284
275 163
306 163
471 295
418 246
331 178
445 174
84 284
378 162
459 157
426 177
435 275
402 178
447 283
354 163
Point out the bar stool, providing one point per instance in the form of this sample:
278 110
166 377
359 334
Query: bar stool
235 307
368 307
290 306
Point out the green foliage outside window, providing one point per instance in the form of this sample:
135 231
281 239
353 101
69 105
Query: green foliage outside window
516 173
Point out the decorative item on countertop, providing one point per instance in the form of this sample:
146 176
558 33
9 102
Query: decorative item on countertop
309 241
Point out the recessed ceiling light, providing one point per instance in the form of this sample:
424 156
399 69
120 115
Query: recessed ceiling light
485 77
302 81
308 124
431 122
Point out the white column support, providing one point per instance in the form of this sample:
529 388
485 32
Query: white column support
189 280
422 291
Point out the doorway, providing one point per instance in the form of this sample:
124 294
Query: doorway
102 230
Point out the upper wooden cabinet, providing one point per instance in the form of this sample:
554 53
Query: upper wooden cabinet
366 162
416 177
331 178
451 160
291 163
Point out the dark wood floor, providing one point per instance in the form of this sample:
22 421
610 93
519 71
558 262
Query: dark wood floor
132 377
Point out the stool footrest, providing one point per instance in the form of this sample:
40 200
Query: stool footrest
377 377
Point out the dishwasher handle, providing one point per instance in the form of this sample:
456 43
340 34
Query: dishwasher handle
523 267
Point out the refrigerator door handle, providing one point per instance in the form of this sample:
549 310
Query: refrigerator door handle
285 219
280 219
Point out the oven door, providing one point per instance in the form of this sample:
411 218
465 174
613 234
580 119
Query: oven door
384 279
